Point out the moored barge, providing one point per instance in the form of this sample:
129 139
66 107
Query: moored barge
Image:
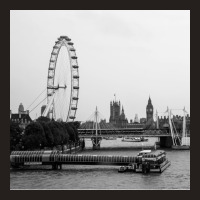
148 161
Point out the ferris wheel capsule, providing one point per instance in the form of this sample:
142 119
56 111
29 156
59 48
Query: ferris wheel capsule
56 47
62 81
74 57
70 43
54 53
75 66
64 37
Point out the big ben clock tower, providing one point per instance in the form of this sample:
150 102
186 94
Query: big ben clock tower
149 110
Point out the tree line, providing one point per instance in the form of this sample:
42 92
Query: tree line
43 133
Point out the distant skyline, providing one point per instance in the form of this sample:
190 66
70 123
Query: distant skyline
133 54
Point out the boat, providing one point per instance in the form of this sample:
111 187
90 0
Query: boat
144 139
143 152
134 139
110 138
129 168
154 161
148 161
122 169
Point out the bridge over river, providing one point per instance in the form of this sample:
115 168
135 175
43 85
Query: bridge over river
99 134
123 132
167 137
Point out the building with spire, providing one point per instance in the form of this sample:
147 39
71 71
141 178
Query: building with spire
21 109
117 116
136 120
149 111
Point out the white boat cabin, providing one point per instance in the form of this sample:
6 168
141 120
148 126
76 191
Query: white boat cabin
144 152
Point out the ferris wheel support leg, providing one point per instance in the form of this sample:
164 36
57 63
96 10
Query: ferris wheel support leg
45 113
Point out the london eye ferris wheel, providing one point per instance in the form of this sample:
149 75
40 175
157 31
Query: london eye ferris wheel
62 81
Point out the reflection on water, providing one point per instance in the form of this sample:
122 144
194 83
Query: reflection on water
177 176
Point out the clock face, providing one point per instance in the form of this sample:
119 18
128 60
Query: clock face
150 110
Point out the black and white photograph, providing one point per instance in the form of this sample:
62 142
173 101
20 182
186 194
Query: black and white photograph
99 100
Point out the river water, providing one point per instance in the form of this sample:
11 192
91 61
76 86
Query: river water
81 177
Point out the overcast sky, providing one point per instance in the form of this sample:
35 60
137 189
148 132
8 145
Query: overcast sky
132 54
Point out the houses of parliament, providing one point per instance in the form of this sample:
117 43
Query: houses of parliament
118 118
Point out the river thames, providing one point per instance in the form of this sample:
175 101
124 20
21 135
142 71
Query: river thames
103 177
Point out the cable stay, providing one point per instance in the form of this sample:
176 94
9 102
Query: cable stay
36 98
38 104
34 102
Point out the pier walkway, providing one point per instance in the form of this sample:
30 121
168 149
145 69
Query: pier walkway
21 158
